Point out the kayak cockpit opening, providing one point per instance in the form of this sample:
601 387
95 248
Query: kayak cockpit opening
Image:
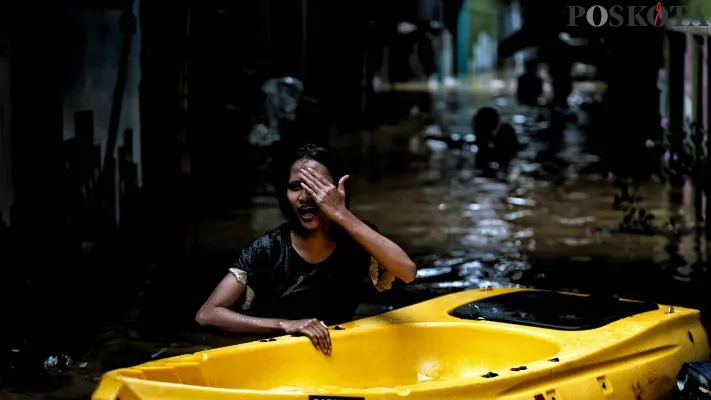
552 310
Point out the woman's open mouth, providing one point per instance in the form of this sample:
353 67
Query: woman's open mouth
308 214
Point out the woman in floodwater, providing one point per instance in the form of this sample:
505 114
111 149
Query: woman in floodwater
307 272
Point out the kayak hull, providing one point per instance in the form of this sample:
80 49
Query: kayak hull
432 351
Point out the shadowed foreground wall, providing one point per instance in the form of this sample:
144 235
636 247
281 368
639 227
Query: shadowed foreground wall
6 192
62 63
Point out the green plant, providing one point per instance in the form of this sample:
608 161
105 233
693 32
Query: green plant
683 159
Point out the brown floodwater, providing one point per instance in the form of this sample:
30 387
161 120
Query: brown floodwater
546 222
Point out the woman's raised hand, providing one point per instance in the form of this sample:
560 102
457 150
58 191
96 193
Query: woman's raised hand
331 200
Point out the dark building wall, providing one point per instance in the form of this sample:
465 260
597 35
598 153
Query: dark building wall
60 62
94 62
85 78
6 188
93 45
38 235
36 115
335 45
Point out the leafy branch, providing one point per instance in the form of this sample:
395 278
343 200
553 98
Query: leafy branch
682 159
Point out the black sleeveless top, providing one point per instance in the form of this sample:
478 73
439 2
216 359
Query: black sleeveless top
281 284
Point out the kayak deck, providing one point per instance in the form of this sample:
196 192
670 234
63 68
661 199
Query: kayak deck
473 344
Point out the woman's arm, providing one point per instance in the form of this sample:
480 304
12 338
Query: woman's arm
331 201
251 261
215 311
385 251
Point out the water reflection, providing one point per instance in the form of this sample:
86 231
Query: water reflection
549 221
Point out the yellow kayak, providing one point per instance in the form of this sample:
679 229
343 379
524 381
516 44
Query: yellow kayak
478 344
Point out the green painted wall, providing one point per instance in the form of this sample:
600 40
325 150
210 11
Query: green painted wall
482 16
704 6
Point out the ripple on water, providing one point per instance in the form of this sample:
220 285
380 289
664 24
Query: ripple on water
474 240
577 242
517 215
450 285
432 272
448 261
524 233
491 232
576 196
475 207
575 221
518 201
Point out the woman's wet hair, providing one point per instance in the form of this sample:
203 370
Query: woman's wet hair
317 152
